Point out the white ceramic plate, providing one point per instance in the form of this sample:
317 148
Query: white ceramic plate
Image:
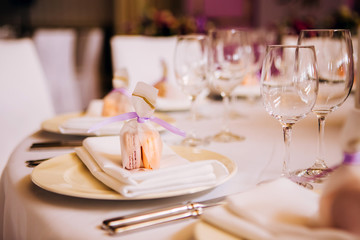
247 91
172 105
67 175
53 124
205 231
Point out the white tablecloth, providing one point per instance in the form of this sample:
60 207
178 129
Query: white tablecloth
29 212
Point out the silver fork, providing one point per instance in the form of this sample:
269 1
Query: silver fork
35 162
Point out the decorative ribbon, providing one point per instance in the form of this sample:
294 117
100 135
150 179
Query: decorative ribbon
352 158
123 91
132 115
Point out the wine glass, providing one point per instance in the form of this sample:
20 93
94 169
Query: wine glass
334 54
258 40
228 62
289 87
191 53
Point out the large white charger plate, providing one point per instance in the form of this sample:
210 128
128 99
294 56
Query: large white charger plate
247 91
67 175
205 231
172 105
53 124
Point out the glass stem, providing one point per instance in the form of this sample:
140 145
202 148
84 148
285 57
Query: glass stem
319 162
287 130
226 113
193 116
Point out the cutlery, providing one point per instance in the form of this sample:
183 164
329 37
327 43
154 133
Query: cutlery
35 162
55 144
158 216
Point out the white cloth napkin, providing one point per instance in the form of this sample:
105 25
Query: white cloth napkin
81 125
279 209
101 155
92 116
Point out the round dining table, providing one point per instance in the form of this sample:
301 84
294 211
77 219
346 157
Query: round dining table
31 212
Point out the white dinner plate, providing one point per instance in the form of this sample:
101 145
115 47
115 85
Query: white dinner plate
53 124
247 91
172 105
67 175
205 231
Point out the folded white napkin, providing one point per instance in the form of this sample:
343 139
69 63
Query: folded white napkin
92 116
102 157
279 209
81 125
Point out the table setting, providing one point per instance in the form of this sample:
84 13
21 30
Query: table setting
79 123
195 172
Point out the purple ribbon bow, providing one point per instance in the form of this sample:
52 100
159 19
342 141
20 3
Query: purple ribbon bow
123 91
132 115
352 158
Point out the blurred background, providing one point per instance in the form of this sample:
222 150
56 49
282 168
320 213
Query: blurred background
88 25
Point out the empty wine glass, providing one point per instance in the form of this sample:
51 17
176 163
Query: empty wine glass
191 53
228 62
289 86
334 53
258 40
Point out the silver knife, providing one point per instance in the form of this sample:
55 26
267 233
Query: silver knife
56 144
157 216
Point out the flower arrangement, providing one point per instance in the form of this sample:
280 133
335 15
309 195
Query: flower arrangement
342 18
155 22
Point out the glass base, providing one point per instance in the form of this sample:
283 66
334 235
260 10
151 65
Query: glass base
315 174
300 180
194 141
225 136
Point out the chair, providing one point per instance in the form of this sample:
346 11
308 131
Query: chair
88 55
24 96
142 57
56 49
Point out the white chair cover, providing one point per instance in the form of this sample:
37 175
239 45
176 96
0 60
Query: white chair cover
56 48
88 56
142 57
24 95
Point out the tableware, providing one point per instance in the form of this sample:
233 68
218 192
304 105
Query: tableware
205 231
53 124
55 145
103 158
152 222
334 54
289 87
279 209
172 105
190 63
228 65
67 175
157 216
247 92
250 88
34 162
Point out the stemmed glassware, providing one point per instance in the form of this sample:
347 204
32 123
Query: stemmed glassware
289 87
336 75
228 62
258 40
191 55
